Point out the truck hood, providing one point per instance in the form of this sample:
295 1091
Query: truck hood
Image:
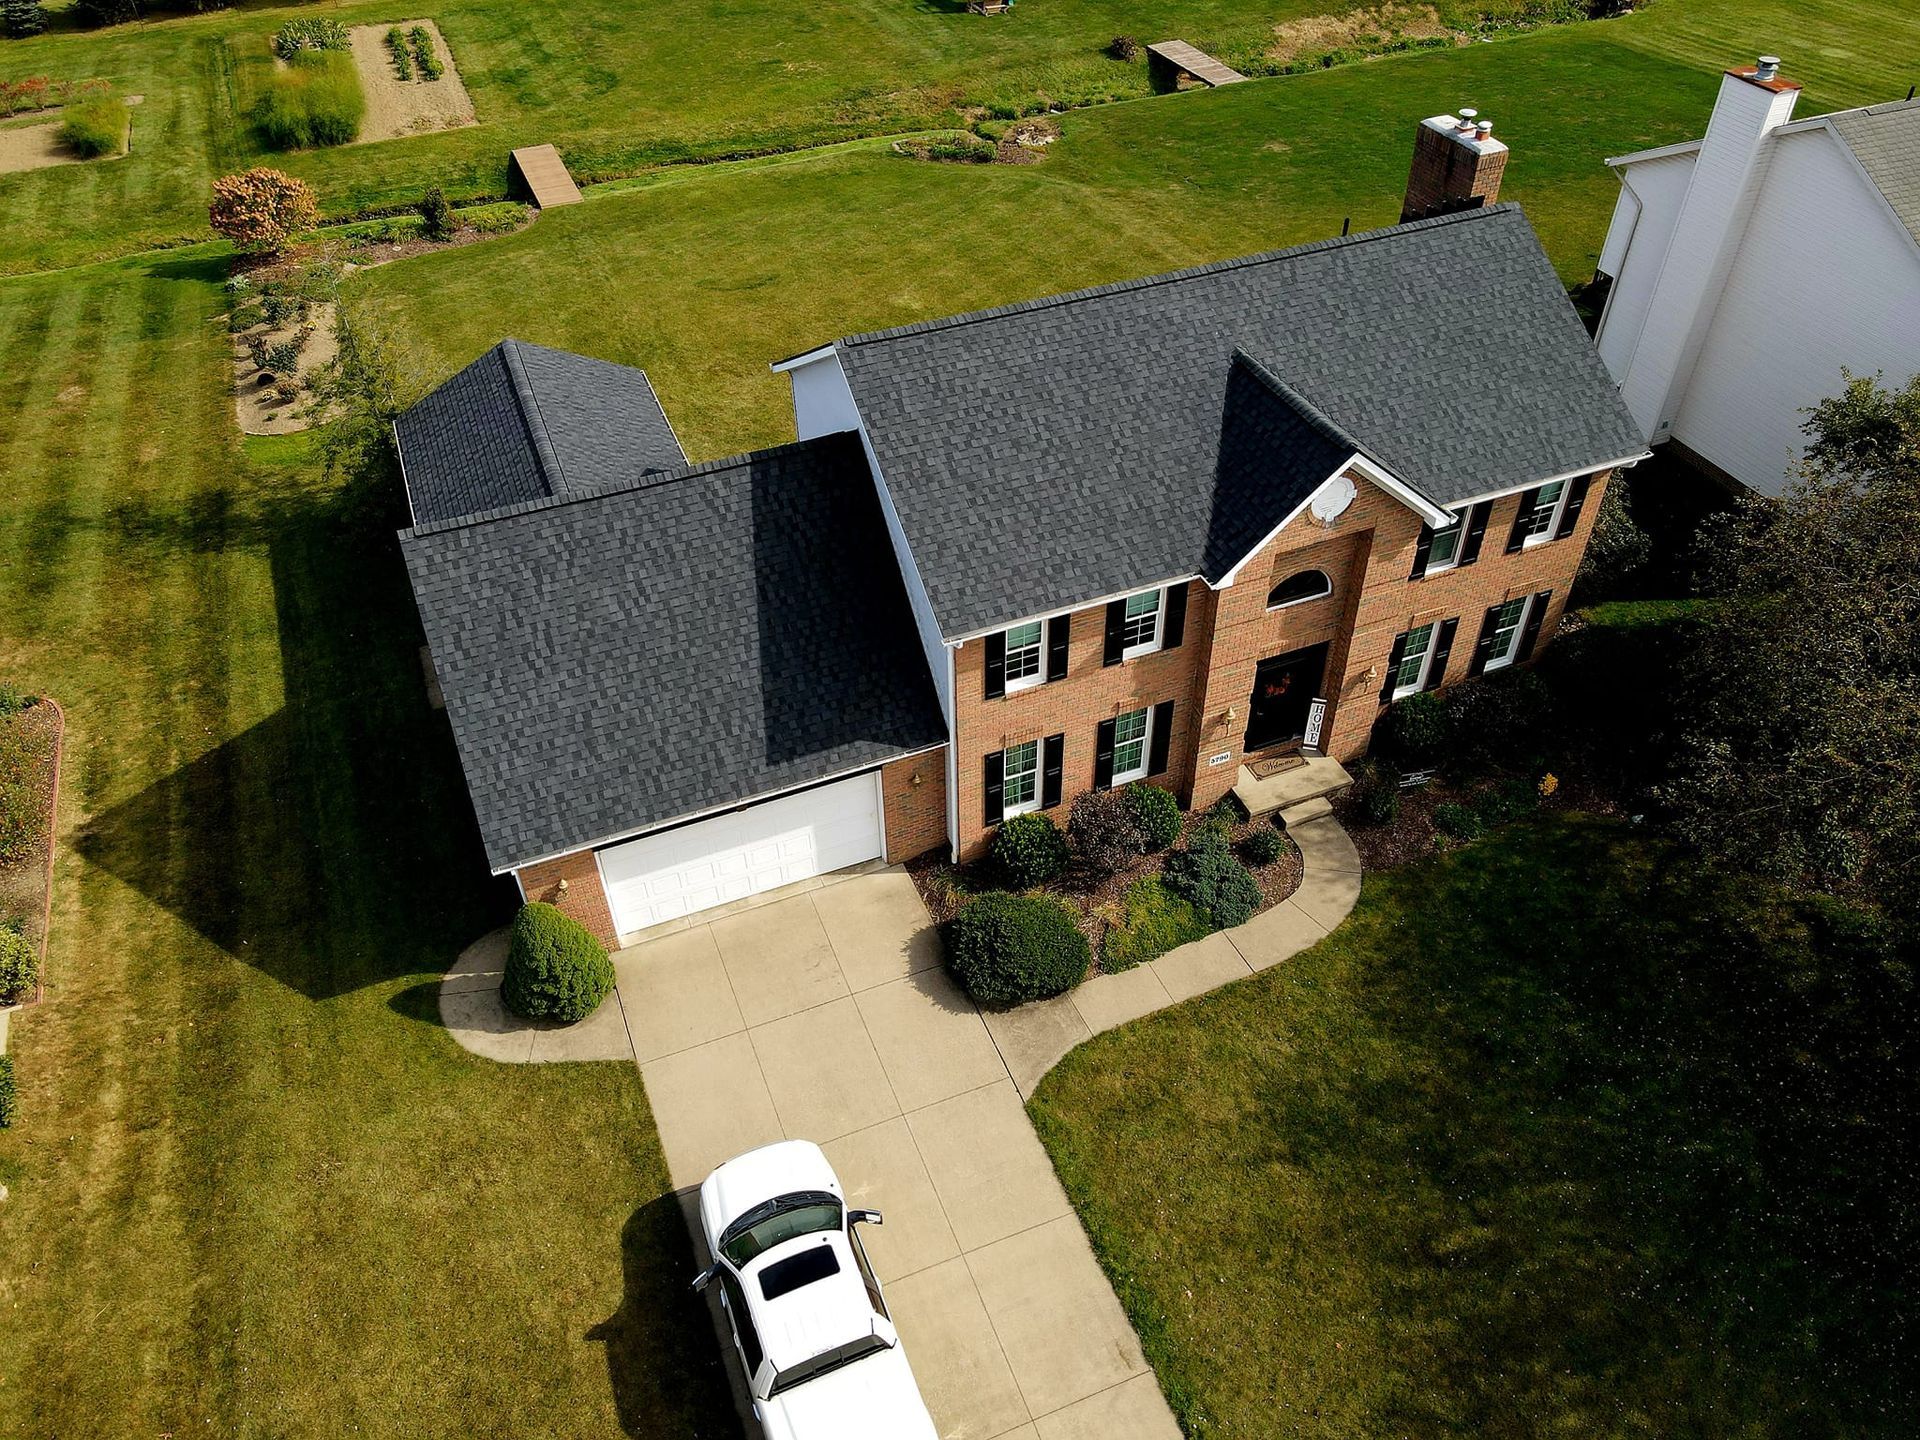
871 1399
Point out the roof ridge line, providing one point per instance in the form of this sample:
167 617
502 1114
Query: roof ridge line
1307 410
551 471
1170 277
648 480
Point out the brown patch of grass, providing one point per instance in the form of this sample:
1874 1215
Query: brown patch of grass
1315 34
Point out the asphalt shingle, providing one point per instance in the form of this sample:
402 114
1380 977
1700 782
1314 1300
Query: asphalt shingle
1044 454
1885 139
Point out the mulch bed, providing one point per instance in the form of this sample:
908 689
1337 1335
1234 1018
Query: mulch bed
1096 901
26 885
1412 835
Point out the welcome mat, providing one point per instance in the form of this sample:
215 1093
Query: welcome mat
1275 765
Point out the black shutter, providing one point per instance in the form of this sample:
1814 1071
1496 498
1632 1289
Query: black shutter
1442 649
1483 647
1570 514
1421 551
1517 536
1057 629
1103 756
1530 632
1116 631
996 778
996 664
1476 532
1393 668
1052 752
1173 625
1161 738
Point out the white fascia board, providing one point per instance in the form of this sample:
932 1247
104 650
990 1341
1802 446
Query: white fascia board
1659 152
744 802
1884 205
1626 462
953 763
1366 469
794 362
954 641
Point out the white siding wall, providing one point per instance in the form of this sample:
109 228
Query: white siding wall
1650 196
823 405
1824 277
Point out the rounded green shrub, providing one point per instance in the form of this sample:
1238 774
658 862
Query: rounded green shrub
1156 814
1209 877
1102 831
1029 850
1458 821
1415 729
9 1104
1264 846
95 127
1006 949
19 967
1376 790
556 970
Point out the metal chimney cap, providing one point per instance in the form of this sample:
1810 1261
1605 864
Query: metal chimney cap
1483 129
1768 67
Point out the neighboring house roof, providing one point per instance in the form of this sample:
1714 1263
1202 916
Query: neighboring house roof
670 645
524 422
1046 454
1885 139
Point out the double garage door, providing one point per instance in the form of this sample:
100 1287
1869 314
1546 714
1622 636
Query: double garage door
709 862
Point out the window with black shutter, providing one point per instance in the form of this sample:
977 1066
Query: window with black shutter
1476 532
1051 762
996 665
1103 756
1392 677
1058 631
1116 632
1442 652
1530 631
1162 738
991 811
1576 502
1173 624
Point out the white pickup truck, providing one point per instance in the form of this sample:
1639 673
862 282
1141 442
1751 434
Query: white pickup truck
819 1349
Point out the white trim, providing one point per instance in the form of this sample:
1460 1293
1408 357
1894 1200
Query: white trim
1461 515
1432 627
1075 608
1146 748
1154 645
879 804
1302 599
600 874
1552 532
1008 684
1519 629
393 433
522 888
1659 152
805 357
1007 812
953 759
1873 186
745 801
1368 470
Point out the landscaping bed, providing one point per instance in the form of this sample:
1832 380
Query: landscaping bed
428 97
30 740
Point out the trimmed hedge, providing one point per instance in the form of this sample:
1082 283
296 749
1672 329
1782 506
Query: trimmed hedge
1156 814
1029 850
19 967
556 970
1006 949
1209 877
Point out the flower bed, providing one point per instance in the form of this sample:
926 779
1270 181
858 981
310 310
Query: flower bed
30 740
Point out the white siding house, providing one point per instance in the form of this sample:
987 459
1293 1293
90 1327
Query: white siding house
1749 267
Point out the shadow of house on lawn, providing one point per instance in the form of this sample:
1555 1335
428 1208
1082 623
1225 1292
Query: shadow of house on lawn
663 1355
331 845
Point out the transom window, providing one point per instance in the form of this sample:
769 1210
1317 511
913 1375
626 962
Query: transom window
1443 553
1296 589
1130 745
1537 526
1020 778
1141 631
1506 632
1024 659
1414 656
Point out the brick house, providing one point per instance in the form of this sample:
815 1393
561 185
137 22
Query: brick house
1155 530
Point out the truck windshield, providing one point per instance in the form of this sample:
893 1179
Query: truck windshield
805 1213
826 1360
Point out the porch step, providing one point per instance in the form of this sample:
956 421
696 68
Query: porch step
1319 777
1314 809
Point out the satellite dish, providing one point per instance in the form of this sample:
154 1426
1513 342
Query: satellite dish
1330 502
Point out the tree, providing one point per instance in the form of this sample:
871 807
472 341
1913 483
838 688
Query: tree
261 210
1800 754
1617 551
436 216
106 12
368 384
21 18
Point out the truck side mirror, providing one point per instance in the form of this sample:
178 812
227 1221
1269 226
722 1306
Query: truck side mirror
705 1277
865 1217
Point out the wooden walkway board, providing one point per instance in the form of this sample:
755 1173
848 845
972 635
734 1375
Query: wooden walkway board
1186 60
545 176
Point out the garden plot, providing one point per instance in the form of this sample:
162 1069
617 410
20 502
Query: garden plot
38 146
414 105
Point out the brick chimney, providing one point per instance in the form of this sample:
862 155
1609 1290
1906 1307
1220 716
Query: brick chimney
1457 165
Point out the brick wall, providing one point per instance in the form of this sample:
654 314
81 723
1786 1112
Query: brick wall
1446 170
916 813
584 898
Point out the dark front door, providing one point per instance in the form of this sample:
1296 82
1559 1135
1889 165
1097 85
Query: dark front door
1283 687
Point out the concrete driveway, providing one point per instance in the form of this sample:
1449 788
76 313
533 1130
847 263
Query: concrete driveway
824 1015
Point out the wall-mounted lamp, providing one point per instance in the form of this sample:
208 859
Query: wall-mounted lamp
562 886
914 779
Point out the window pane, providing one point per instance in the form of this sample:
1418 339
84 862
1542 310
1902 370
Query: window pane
1143 619
1023 635
1019 775
1542 518
1446 543
1130 743
1145 603
1413 658
1506 627
1307 585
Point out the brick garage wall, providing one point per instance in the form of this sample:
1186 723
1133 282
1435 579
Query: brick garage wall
916 813
584 898
1074 707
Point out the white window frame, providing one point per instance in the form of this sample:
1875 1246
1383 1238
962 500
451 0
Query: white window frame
1127 777
1304 599
1014 686
1432 631
1458 529
1553 520
1500 662
1152 644
1007 772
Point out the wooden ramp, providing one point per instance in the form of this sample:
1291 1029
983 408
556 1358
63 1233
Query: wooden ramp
540 169
1173 58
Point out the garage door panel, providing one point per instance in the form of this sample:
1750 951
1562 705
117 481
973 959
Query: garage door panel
748 852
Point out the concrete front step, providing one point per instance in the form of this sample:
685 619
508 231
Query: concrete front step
1317 808
1320 776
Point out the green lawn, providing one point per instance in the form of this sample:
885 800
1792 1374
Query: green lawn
1555 1136
255 1189
620 87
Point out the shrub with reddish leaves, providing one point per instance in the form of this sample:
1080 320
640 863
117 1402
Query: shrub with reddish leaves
262 209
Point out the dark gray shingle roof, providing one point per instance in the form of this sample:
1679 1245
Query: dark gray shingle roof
669 646
524 422
1044 454
1886 141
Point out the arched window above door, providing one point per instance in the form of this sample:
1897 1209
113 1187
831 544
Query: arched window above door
1306 585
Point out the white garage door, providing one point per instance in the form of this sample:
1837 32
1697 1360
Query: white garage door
765 846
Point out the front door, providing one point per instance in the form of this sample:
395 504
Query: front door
1284 686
